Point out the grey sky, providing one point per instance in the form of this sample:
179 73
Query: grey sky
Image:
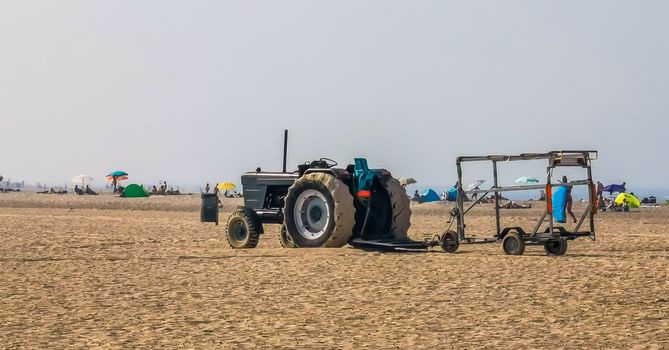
194 91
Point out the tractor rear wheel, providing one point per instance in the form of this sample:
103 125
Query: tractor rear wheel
242 230
319 211
285 238
401 205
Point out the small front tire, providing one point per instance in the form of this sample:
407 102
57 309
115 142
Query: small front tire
242 230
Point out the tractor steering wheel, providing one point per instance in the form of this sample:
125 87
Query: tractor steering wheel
331 163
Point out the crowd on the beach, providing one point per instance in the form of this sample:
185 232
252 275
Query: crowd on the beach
602 202
217 191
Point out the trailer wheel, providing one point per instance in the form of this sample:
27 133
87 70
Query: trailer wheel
319 211
513 244
449 242
556 247
242 230
286 239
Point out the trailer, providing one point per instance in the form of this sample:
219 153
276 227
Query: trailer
554 238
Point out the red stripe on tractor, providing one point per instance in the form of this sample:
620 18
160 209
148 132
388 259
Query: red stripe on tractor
364 194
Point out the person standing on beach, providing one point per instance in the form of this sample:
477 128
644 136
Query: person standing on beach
206 188
114 183
218 199
569 199
600 194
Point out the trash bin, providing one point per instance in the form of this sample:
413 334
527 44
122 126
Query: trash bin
209 210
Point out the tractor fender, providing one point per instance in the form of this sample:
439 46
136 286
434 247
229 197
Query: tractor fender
338 173
252 214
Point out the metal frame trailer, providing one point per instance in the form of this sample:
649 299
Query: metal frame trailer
553 238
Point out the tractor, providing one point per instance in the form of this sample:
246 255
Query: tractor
322 205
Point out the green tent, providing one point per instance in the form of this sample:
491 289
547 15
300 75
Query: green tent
134 191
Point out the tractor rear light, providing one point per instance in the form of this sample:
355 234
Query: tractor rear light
364 194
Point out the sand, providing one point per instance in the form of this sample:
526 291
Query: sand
76 274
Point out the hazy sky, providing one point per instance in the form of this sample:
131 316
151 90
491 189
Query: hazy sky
194 91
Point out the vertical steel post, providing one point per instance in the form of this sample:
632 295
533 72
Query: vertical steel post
460 203
592 212
548 184
496 184
285 148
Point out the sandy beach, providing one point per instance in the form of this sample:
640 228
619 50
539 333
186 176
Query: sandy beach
105 272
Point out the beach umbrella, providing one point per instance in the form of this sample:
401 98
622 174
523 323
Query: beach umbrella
475 184
118 178
404 181
226 186
118 173
614 188
82 180
527 180
631 200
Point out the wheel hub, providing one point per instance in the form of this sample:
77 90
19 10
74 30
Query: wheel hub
239 231
312 214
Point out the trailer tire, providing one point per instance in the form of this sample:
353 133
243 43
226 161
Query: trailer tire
401 205
556 247
449 241
309 199
242 230
513 244
285 238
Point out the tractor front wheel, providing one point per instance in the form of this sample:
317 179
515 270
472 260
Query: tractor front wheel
242 230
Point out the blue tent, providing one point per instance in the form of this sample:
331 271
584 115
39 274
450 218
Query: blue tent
429 196
452 194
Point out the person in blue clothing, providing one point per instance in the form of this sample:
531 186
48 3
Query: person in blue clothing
569 199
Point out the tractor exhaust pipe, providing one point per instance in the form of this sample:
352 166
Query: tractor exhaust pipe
285 148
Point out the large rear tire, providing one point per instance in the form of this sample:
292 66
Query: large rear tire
242 230
319 211
401 205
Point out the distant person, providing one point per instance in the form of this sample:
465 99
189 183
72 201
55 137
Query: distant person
154 190
218 199
416 196
89 191
570 200
542 195
475 195
206 188
78 190
600 194
114 183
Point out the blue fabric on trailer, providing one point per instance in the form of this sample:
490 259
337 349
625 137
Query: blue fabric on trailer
560 204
